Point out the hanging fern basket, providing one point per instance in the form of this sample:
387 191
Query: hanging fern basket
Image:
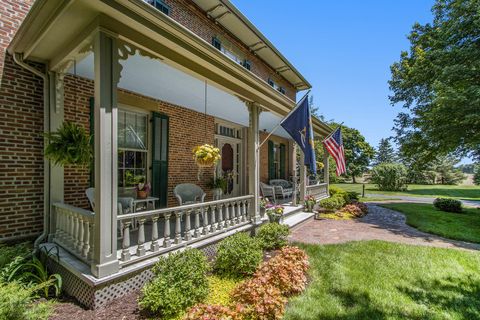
69 145
206 156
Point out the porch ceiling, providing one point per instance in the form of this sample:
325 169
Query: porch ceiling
153 78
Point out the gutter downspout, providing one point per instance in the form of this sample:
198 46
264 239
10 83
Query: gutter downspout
18 58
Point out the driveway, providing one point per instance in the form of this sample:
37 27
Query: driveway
379 224
468 203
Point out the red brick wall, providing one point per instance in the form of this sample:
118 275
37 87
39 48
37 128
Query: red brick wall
187 129
189 15
21 142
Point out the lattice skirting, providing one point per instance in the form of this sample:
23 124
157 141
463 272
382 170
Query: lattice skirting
93 297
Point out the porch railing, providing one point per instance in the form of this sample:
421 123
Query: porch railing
319 190
162 230
74 230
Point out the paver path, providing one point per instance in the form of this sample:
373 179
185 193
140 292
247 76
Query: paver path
379 224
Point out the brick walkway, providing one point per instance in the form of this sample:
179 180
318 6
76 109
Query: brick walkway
379 224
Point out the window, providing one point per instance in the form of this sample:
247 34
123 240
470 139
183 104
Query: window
162 6
216 43
271 82
132 148
282 90
247 64
227 131
276 86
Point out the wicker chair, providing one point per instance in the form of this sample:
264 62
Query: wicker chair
268 191
188 193
282 187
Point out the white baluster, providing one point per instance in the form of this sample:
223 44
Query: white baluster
86 239
80 234
221 223
228 207
92 240
75 230
71 231
178 227
196 232
213 220
126 240
167 241
238 212
206 227
141 237
154 247
188 235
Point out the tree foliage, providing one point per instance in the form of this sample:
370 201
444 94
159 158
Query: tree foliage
385 152
476 174
438 82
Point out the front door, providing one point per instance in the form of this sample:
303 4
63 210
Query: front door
229 166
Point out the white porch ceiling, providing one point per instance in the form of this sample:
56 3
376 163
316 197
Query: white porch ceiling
153 78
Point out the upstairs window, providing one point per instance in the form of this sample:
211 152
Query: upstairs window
271 82
282 90
274 85
160 5
247 64
216 43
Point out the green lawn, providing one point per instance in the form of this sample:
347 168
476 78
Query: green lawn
381 280
459 226
429 191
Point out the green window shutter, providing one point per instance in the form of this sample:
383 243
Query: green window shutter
282 161
271 160
160 158
92 141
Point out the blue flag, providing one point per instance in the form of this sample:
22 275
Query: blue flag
299 125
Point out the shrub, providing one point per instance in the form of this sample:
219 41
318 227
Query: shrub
220 290
286 271
448 205
10 253
238 256
390 176
16 303
333 203
180 282
260 299
333 190
351 196
356 209
212 312
273 236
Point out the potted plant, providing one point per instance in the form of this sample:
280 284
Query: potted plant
206 155
275 212
310 202
264 202
217 185
142 188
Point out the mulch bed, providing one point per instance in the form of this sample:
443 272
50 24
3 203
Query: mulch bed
124 308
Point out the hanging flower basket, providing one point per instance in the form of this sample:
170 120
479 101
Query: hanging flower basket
206 155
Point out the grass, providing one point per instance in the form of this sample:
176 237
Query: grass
426 191
381 280
458 226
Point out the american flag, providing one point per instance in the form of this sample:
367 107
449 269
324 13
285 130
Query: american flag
334 146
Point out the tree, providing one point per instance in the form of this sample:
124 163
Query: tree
446 172
390 176
438 82
385 152
358 152
476 174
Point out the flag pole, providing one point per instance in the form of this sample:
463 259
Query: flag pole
330 134
280 123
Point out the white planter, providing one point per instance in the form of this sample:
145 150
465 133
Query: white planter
217 193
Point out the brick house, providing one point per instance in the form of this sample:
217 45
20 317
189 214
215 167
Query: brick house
149 80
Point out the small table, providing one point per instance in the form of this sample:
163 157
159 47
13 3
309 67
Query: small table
145 202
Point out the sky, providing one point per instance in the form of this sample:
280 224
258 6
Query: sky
344 48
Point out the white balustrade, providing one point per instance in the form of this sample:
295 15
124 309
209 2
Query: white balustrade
74 230
319 191
209 219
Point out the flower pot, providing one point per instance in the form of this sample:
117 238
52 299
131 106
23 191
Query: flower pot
217 193
274 218
309 207
142 194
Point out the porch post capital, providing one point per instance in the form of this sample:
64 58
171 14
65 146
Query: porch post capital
107 75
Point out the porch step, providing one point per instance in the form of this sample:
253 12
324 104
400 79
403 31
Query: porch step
296 218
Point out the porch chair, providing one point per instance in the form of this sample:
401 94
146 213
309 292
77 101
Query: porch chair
188 193
282 187
268 191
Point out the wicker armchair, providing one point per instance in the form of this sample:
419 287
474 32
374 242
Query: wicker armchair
188 193
283 188
268 191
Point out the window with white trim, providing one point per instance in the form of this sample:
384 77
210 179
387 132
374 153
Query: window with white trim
132 148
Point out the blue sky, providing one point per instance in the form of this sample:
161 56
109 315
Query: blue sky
345 49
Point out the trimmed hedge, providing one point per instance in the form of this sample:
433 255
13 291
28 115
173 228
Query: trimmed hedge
448 205
238 256
180 282
273 236
333 203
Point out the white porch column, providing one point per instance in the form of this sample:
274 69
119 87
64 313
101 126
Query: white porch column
326 173
107 75
295 173
254 161
303 177
56 173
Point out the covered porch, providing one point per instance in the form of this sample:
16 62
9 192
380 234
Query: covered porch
153 90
